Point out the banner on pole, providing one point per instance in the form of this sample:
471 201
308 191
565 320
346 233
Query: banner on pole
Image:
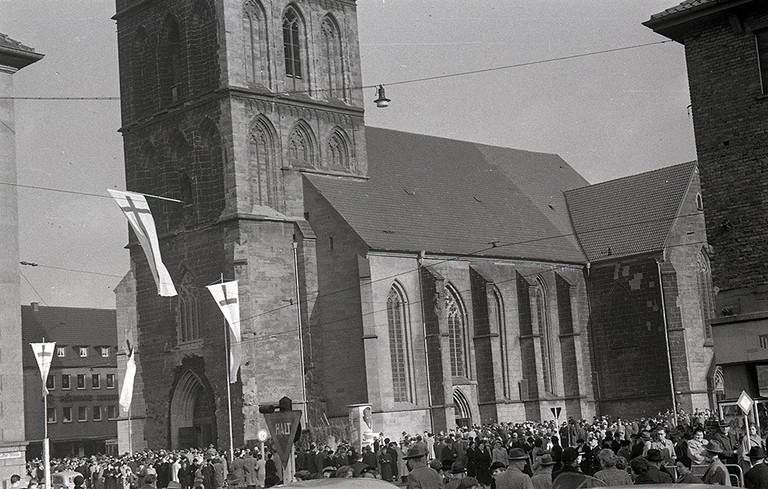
126 392
44 356
136 209
226 297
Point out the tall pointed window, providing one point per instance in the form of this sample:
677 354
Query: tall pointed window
140 73
188 313
256 44
545 335
496 313
338 150
172 62
706 298
456 333
201 43
398 346
263 163
333 61
761 44
301 151
292 46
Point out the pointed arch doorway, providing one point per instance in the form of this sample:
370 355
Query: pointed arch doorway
461 407
192 416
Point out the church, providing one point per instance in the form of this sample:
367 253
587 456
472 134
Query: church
439 281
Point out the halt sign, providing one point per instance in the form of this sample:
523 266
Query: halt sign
283 426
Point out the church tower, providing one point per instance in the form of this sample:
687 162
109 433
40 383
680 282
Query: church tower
225 104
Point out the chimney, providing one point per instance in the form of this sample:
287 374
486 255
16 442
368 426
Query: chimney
35 306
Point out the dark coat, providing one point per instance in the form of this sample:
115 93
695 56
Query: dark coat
757 477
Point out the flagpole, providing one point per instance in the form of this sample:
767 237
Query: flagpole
46 442
229 390
130 432
305 414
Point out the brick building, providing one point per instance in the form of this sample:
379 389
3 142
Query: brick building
441 281
82 382
726 49
13 57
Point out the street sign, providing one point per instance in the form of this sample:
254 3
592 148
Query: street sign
556 412
262 435
745 402
283 426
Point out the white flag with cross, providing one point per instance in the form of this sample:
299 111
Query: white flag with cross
225 295
44 356
126 392
136 209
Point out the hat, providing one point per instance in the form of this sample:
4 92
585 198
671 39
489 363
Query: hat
756 453
497 465
330 468
368 469
714 446
645 435
457 468
546 459
569 455
416 451
654 455
724 424
517 454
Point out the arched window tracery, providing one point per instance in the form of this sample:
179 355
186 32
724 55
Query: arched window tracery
333 59
457 333
545 335
256 44
399 347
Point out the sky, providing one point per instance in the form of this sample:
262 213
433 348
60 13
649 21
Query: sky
608 115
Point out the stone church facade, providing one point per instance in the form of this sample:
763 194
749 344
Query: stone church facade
440 281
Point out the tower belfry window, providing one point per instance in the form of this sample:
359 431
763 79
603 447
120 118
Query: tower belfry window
292 43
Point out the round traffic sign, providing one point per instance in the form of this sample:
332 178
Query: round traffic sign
262 435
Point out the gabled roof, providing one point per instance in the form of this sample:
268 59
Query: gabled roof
629 215
439 195
71 327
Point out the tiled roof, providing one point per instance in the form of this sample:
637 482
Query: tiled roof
7 42
455 197
629 215
685 6
71 327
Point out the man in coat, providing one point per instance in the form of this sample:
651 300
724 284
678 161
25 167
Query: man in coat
514 477
757 476
421 476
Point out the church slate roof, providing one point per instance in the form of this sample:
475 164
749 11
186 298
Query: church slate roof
630 215
445 196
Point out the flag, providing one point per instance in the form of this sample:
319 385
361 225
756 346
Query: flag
44 356
126 392
225 295
139 216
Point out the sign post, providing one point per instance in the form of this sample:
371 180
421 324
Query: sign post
745 403
556 412
44 356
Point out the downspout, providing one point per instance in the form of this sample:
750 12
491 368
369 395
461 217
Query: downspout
666 341
422 255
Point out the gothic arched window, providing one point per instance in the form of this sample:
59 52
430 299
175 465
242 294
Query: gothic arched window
293 32
457 334
202 41
264 166
256 44
188 311
338 151
333 60
140 72
545 334
171 62
397 322
706 298
301 150
496 314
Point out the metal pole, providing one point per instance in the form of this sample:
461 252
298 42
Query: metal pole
304 414
46 443
666 343
229 390
130 431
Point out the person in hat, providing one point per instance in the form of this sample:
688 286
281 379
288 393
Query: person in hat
497 468
655 472
757 476
368 472
570 475
716 472
421 476
543 477
729 443
608 472
697 447
514 477
684 474
456 474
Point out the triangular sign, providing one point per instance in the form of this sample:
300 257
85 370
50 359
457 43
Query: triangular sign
283 426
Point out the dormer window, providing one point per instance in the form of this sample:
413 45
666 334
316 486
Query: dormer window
61 352
105 351
83 351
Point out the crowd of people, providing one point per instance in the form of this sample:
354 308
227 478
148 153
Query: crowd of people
530 455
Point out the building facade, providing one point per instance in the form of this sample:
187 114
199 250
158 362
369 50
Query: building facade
726 49
441 281
13 57
83 390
